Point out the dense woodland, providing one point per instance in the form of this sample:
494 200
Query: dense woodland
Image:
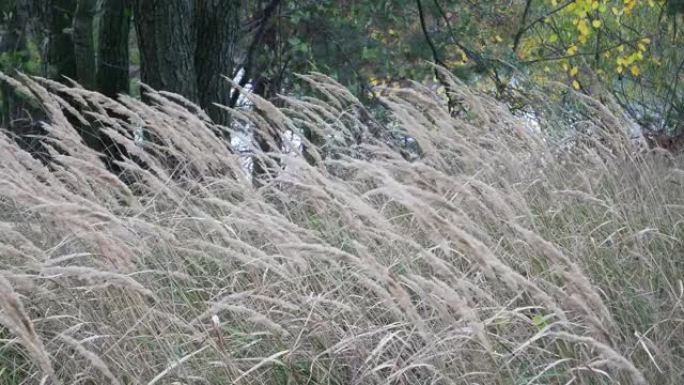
342 192
630 51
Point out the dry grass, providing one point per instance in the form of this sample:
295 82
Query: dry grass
492 259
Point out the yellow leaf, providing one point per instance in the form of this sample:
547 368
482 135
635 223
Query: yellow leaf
619 69
498 39
629 5
642 47
574 71
583 27
596 23
572 50
566 66
554 3
575 84
634 70
646 40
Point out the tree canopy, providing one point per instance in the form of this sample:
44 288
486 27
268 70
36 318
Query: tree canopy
629 50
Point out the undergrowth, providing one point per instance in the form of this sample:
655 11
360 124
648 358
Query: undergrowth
493 257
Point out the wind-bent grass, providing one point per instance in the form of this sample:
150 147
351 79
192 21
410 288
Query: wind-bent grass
492 259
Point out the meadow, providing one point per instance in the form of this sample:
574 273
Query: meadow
491 256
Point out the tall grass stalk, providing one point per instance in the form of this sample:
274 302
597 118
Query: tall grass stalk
493 258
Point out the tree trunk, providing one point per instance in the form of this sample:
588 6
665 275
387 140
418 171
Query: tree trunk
167 45
217 24
186 46
17 114
84 44
113 61
61 56
12 48
35 17
269 141
267 87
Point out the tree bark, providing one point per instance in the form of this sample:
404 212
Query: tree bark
17 114
12 47
217 29
113 56
186 46
61 56
34 17
84 44
167 45
267 87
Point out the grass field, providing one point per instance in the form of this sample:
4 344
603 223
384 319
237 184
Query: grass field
493 258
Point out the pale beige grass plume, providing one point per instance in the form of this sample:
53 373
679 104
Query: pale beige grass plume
490 257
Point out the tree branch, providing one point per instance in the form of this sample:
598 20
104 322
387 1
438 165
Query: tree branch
435 55
518 35
248 63
525 28
477 58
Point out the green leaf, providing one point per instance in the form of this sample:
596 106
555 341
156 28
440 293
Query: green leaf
539 321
